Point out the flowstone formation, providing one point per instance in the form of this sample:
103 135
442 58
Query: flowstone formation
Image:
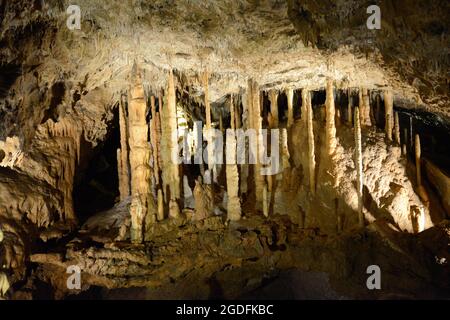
212 149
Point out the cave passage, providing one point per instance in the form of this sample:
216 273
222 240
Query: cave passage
96 183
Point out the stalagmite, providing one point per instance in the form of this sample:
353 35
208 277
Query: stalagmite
421 191
306 100
122 153
139 158
232 174
290 111
330 127
204 204
273 98
388 112
359 167
396 128
169 149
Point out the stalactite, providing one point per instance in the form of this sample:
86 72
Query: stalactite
160 205
388 112
306 101
359 167
417 157
123 162
273 98
349 107
396 128
70 132
411 134
290 101
139 157
330 128
377 109
364 104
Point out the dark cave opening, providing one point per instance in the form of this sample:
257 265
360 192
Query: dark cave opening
96 184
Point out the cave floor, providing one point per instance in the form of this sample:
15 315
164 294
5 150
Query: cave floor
253 258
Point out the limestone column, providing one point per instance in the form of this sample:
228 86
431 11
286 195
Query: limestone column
122 153
388 113
169 149
330 127
257 125
139 157
306 101
359 167
232 174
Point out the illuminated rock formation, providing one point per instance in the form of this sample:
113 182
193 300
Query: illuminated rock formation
388 114
139 158
330 127
359 167
169 149
123 163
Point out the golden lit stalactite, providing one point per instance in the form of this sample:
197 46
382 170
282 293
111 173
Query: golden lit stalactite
364 107
396 128
349 108
388 113
232 174
68 133
417 157
306 100
330 127
290 111
123 164
209 133
273 98
139 158
359 167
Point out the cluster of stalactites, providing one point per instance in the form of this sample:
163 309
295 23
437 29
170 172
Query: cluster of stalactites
68 133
